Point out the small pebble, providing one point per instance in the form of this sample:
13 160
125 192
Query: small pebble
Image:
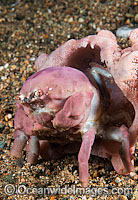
95 174
1 86
6 65
122 197
94 26
6 118
136 18
22 180
23 79
8 142
81 20
132 174
124 31
117 180
128 21
1 125
135 195
9 116
10 123
70 19
3 78
32 59
27 56
1 68
2 20
2 143
13 67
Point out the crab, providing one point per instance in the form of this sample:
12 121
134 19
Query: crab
102 49
61 110
90 55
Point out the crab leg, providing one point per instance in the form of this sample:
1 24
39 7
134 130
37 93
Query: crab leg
121 135
97 72
33 150
84 155
19 143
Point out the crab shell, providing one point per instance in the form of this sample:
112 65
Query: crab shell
66 87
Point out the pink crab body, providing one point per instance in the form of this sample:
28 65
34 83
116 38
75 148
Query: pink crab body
54 107
56 89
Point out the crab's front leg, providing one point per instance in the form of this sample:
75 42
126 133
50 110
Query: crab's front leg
121 136
24 126
33 150
19 143
89 130
84 155
83 110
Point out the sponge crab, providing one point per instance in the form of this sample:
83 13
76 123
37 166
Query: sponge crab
60 111
90 55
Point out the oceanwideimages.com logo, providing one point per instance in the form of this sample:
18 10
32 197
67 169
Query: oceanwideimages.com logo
11 189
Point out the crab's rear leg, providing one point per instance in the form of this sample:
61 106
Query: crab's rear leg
121 135
124 151
19 143
33 150
98 73
84 155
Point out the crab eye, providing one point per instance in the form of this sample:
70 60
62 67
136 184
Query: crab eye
17 97
38 93
20 97
135 60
